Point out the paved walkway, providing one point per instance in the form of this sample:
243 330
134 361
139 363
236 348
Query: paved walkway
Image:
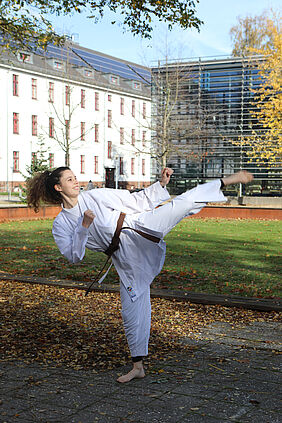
233 378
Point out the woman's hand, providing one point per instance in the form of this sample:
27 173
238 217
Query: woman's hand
88 218
166 174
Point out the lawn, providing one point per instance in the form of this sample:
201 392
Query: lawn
203 255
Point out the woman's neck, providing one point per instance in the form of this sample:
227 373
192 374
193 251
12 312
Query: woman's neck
68 202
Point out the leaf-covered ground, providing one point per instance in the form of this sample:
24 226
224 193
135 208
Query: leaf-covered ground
241 257
62 326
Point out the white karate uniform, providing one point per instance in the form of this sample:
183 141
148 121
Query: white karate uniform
138 260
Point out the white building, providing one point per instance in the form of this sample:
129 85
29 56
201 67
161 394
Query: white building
97 105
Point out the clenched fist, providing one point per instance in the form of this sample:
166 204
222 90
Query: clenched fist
88 218
166 174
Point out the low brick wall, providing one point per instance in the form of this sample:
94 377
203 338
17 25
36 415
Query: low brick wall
25 213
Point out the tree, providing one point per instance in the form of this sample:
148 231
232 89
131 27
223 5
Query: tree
254 32
24 24
264 144
181 122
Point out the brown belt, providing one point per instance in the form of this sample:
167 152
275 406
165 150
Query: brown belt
114 245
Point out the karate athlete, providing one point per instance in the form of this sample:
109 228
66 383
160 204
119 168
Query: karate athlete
89 220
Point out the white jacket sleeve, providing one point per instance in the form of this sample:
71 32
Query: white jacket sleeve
71 243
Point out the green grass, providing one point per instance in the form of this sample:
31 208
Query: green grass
203 255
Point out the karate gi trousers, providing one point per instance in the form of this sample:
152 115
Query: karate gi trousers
137 315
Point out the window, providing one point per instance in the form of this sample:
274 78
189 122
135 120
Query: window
33 158
109 118
109 97
133 137
51 92
97 106
51 160
16 160
114 79
143 167
96 130
34 89
136 85
82 131
25 57
82 102
132 166
34 125
16 123
67 95
133 108
51 128
67 126
144 111
82 163
15 85
88 73
121 171
96 164
122 106
121 132
58 65
109 149
144 138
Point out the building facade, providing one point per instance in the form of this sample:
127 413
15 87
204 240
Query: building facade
210 104
78 107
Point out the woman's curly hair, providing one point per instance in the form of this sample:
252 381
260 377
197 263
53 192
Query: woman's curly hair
40 188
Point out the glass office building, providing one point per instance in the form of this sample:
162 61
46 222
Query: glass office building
207 105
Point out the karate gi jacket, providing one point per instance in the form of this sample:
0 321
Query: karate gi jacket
137 260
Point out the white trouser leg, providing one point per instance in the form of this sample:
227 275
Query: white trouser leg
164 218
137 321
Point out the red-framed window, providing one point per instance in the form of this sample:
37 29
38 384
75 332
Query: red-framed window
133 136
97 105
96 132
133 108
109 118
144 138
96 164
110 147
82 163
51 160
33 158
34 125
15 85
144 113
34 88
121 133
51 127
16 124
122 106
82 100
82 131
67 126
121 169
109 97
51 92
132 166
16 161
67 95
143 167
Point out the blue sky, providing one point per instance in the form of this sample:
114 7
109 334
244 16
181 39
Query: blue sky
213 40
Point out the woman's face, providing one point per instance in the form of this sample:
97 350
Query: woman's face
68 185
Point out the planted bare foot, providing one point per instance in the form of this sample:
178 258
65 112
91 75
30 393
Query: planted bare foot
135 373
243 177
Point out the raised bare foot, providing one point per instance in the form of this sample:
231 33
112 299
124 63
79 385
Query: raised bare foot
135 373
243 176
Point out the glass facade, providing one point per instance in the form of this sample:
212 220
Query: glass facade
201 110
